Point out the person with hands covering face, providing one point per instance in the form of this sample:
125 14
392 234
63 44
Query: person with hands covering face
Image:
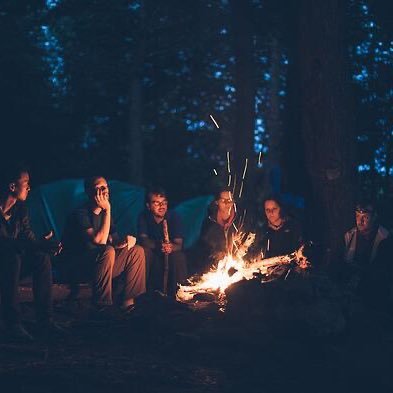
22 253
151 237
92 245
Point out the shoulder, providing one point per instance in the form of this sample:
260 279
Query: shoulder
293 225
350 233
172 215
144 216
383 232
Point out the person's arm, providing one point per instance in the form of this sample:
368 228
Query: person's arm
101 235
146 242
175 229
143 238
27 239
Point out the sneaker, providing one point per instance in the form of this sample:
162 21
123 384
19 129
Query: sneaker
128 310
18 333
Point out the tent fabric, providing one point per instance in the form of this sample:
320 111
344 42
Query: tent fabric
50 204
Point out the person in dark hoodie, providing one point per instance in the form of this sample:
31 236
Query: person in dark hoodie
22 253
280 234
220 228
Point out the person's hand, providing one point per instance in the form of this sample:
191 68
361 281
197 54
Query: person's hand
121 245
49 235
131 241
166 248
50 245
102 199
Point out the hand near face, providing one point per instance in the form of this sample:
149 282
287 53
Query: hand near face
102 199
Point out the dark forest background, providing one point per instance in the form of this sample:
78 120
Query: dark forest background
125 89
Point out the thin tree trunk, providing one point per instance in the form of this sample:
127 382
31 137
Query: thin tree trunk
272 118
135 137
245 82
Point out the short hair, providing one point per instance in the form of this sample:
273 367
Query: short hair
11 174
155 191
365 205
89 183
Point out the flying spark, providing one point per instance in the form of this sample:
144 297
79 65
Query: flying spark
214 121
245 169
259 158
241 190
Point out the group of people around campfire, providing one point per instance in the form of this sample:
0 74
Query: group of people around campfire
91 249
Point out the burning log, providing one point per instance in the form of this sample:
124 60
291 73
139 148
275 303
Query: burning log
232 268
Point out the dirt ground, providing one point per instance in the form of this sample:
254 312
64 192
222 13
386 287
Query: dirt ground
165 346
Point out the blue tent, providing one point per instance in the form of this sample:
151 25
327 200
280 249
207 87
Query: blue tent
50 204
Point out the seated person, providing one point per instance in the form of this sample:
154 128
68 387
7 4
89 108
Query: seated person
91 243
280 235
151 237
367 250
20 251
219 229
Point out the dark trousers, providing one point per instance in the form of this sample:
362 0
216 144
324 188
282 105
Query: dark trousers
177 273
105 265
39 265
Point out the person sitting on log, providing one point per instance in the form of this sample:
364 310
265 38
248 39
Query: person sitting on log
160 233
220 229
280 234
20 253
367 250
92 244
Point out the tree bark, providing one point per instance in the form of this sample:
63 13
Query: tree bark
245 82
325 122
135 136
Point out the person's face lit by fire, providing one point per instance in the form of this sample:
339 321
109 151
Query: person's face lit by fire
365 220
225 203
100 186
273 212
158 205
21 187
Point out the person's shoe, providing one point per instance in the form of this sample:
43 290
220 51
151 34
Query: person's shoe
18 333
128 310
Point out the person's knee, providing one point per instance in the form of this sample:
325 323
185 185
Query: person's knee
42 260
138 253
108 256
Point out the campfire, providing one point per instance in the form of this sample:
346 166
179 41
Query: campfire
233 268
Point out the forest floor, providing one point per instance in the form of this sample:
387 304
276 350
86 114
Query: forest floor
165 346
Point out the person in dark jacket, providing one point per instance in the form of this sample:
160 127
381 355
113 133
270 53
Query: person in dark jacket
222 226
280 235
367 250
20 251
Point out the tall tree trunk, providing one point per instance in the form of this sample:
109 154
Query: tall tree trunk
272 160
135 137
325 122
245 82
